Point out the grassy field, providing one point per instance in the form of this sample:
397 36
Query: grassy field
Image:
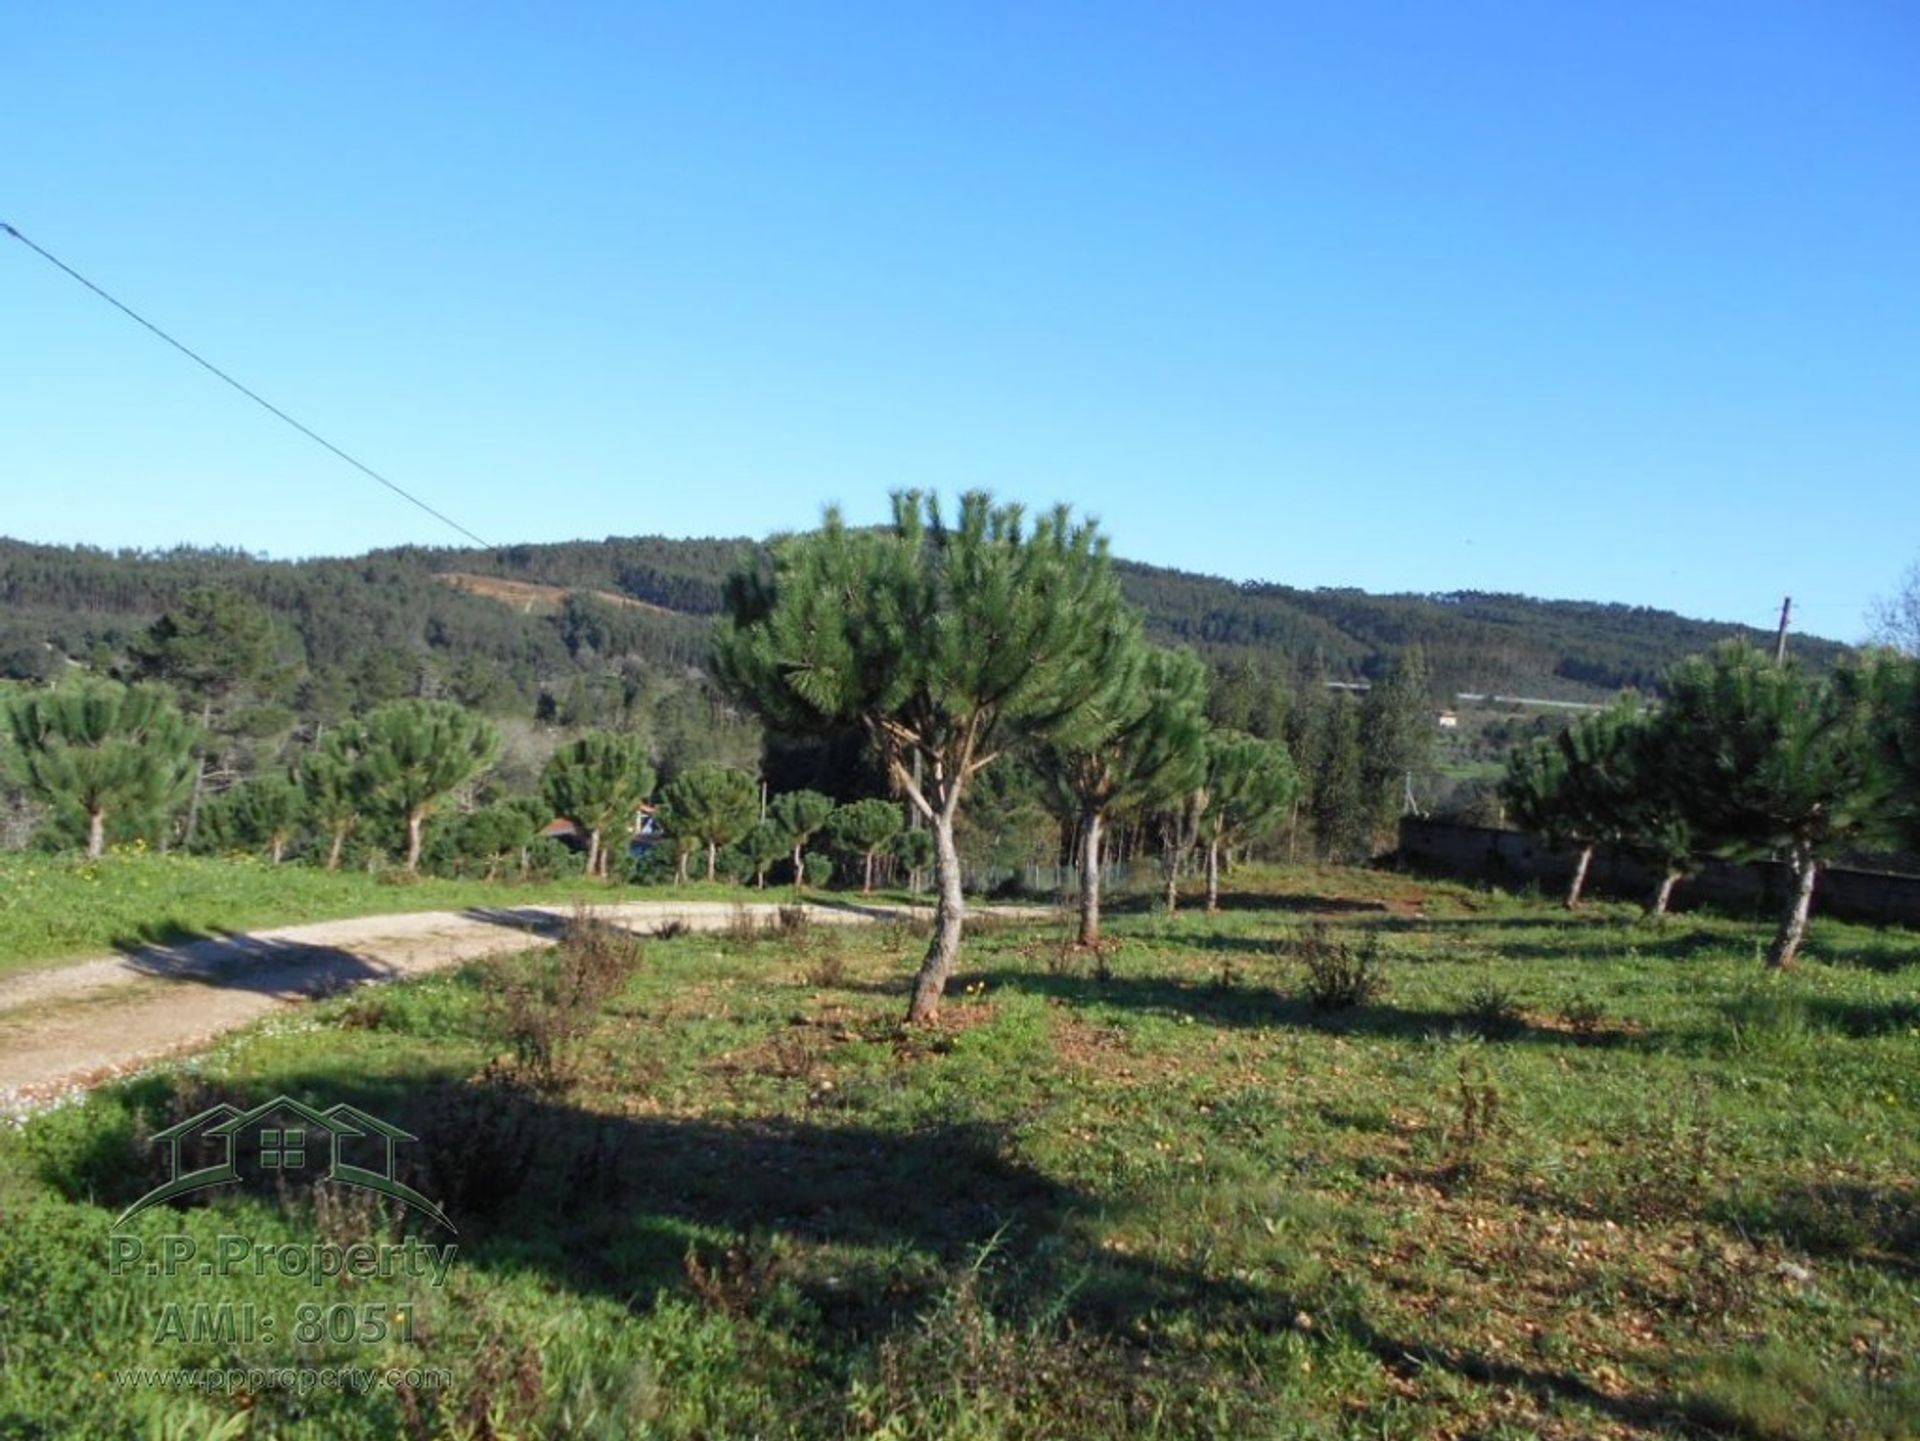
1564 1176
56 907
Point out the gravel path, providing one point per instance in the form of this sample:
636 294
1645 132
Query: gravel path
72 1027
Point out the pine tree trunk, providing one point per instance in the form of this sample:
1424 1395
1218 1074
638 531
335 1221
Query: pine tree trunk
1793 917
1213 877
713 860
96 834
949 912
333 850
680 867
277 849
1090 879
1173 880
1579 882
866 883
415 820
593 853
799 869
1663 895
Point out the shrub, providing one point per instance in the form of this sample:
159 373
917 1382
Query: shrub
826 960
819 868
480 1144
1584 1015
549 1012
1494 1010
1340 975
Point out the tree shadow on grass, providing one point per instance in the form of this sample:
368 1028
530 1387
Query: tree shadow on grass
1852 1222
1145 902
1864 1019
1883 956
1243 1005
868 1223
610 1204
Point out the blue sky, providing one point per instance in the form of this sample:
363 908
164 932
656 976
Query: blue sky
1603 301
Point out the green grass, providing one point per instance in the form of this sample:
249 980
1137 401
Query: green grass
1568 1177
57 907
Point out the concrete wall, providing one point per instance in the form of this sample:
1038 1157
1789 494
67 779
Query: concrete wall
1514 858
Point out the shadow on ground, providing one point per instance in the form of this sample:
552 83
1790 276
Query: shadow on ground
288 970
1250 1003
631 1207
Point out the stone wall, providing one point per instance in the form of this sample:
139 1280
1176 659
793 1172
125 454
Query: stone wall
1514 858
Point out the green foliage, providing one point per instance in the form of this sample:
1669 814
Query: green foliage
1342 821
942 643
763 844
801 815
417 753
382 626
266 812
1773 760
1897 733
97 751
1396 736
712 806
933 638
1250 785
1138 745
338 785
1341 972
213 642
912 850
865 828
598 781
488 840
1580 785
818 868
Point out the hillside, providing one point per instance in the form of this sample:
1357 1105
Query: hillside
503 628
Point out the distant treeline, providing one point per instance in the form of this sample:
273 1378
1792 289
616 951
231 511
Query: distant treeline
380 626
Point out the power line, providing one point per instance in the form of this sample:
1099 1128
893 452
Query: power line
256 398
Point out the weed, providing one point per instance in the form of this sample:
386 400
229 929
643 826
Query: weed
1476 1098
1340 975
826 965
743 926
1494 1011
364 1013
499 1389
737 1281
550 1010
347 1216
482 1138
1584 1016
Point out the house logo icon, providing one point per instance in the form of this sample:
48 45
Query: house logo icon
285 1139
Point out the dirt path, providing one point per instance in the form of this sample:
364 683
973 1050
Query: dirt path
73 1027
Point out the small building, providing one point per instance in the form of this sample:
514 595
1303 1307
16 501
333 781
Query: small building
1449 721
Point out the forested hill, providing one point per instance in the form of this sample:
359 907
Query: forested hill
1475 641
391 622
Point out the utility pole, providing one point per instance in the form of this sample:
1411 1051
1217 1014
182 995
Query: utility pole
1780 644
